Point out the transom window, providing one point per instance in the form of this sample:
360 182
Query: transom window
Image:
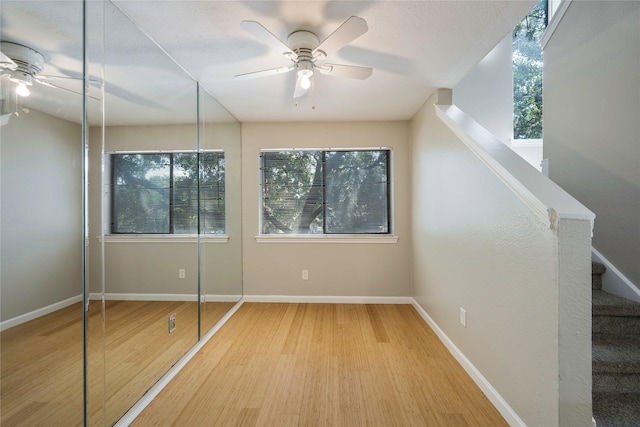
326 192
168 193
527 74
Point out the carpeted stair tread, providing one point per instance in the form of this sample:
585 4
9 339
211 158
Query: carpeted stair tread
606 304
597 268
616 383
615 354
616 410
615 349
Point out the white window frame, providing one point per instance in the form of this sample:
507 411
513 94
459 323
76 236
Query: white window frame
108 237
390 238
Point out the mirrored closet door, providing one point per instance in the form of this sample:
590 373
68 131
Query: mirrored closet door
121 237
41 231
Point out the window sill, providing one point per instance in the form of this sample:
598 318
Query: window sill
526 143
323 238
163 238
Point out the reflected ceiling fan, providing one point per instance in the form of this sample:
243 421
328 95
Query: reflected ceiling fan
304 49
22 66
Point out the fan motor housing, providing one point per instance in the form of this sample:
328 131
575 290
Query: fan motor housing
303 43
29 61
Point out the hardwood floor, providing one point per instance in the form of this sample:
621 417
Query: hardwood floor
41 371
322 365
41 375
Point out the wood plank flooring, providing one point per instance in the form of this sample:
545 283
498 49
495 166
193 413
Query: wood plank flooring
322 365
41 375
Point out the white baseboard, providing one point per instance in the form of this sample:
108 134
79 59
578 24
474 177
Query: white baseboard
163 297
492 394
311 299
613 281
151 394
10 323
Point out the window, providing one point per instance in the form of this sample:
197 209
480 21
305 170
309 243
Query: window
527 74
326 192
157 193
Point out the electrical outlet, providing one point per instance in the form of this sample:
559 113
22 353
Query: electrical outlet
181 273
463 317
305 274
172 322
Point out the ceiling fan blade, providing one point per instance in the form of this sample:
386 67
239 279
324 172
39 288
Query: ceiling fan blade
265 36
350 71
48 77
350 30
7 63
263 73
42 82
300 91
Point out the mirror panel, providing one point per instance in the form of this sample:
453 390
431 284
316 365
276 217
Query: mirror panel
149 222
221 253
41 223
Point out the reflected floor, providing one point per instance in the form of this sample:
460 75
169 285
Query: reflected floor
41 378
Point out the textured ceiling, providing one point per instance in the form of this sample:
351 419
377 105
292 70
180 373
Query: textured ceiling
413 47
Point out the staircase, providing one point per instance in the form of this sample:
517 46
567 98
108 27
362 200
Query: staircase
616 357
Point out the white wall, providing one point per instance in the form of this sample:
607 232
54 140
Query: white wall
486 92
334 269
477 246
41 232
592 121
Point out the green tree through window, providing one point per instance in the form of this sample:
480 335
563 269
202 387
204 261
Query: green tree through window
168 193
527 74
326 192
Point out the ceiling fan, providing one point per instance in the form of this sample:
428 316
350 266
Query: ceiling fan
304 49
22 66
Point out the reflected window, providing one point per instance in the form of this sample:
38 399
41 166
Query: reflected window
168 193
326 192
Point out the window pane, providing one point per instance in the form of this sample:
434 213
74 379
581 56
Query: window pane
356 192
527 74
158 193
212 193
292 192
185 192
141 193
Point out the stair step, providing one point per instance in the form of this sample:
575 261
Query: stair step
606 304
616 383
597 270
614 325
615 355
616 410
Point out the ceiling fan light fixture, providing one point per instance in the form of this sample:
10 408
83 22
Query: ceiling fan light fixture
21 78
305 72
305 69
305 83
22 90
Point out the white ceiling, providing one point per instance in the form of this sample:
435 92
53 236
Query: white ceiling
413 47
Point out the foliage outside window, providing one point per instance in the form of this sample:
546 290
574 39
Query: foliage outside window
326 192
168 193
527 74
